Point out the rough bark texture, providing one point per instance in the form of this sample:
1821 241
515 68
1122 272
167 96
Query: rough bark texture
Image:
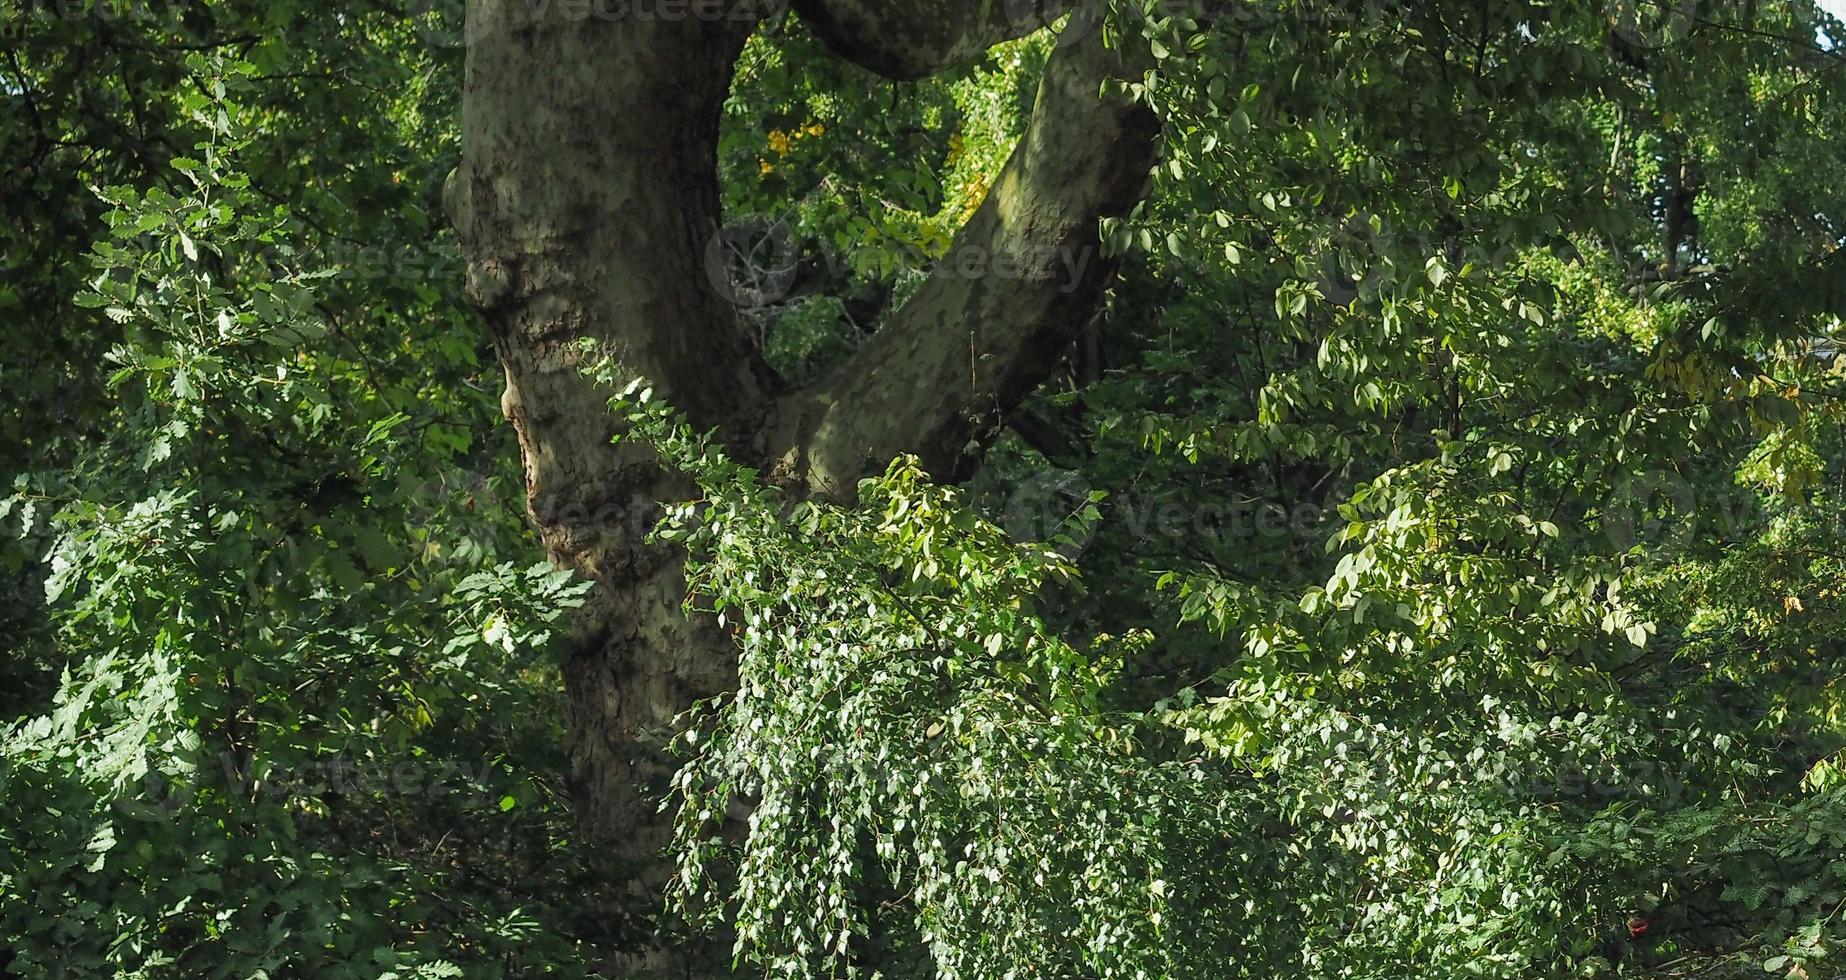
586 198
1019 282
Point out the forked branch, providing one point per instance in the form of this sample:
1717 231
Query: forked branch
1020 280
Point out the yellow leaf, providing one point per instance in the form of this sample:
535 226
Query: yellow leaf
956 147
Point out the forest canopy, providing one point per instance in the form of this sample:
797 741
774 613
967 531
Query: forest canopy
947 488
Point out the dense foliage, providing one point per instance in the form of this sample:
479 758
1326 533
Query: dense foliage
1428 564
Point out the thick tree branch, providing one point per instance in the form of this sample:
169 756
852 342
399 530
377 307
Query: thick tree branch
907 39
1045 437
586 200
1021 279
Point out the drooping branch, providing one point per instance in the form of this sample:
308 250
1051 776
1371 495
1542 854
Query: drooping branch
1021 279
908 39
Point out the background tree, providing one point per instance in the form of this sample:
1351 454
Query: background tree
1379 520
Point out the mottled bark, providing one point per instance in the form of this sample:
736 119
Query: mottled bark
585 201
586 196
1021 279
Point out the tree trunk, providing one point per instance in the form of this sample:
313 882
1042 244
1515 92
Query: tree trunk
585 201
